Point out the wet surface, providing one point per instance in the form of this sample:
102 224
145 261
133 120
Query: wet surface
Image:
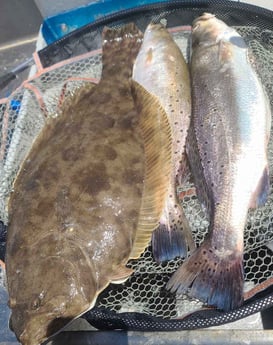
9 58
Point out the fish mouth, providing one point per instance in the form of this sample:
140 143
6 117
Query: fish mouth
204 17
158 26
208 30
43 328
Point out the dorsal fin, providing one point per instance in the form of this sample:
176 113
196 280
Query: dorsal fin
157 135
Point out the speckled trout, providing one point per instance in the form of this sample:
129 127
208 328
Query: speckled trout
161 69
92 177
227 148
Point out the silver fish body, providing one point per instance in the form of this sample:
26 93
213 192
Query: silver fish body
162 70
228 154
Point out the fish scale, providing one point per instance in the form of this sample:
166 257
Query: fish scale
161 69
227 150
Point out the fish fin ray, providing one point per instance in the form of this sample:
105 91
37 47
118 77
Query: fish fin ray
120 48
173 236
167 245
202 190
157 135
120 275
224 53
215 280
261 193
184 175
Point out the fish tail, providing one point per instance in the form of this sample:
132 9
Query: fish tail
213 277
172 237
119 51
167 244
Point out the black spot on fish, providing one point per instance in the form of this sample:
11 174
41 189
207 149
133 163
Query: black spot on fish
125 123
94 180
71 154
31 184
128 121
133 214
110 153
102 97
44 206
50 174
135 160
124 90
131 176
102 122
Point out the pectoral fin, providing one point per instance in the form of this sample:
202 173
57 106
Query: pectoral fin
202 189
121 275
157 136
260 195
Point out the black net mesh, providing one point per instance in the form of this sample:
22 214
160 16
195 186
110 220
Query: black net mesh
176 13
142 302
104 319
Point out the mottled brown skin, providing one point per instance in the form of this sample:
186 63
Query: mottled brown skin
76 200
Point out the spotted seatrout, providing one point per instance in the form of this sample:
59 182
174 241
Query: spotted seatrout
82 194
162 70
227 149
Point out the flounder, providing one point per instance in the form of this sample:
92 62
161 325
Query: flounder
86 187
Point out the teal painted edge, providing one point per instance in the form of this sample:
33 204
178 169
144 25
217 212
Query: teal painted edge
59 25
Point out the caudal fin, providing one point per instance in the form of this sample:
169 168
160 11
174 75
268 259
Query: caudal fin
213 277
168 245
173 236
119 50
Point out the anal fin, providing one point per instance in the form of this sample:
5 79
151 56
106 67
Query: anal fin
157 137
121 275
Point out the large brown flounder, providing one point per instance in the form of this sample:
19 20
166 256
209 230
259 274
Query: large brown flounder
81 195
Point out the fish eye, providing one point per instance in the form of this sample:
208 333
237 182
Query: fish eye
36 303
195 26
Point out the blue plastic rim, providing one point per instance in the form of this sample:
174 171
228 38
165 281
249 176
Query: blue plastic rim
59 25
